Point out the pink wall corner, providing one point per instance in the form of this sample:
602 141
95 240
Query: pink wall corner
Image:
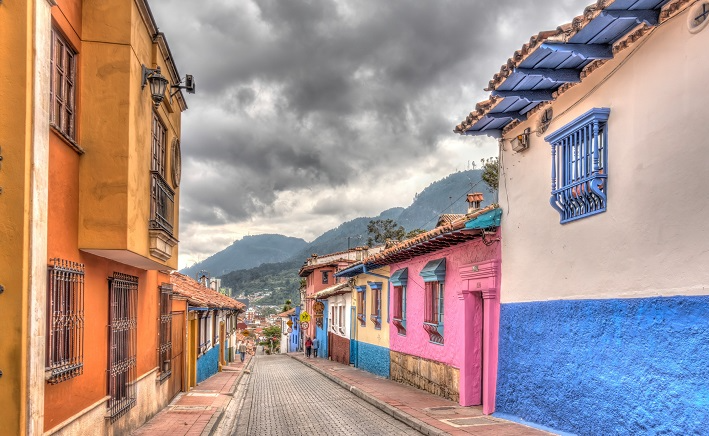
463 346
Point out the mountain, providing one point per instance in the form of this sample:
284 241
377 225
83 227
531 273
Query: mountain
447 195
249 252
281 279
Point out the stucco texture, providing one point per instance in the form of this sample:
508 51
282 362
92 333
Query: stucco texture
208 364
621 366
652 236
372 358
369 333
417 341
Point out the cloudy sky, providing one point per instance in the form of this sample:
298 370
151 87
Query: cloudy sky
309 113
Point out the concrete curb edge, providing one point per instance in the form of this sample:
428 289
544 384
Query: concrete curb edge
390 410
217 417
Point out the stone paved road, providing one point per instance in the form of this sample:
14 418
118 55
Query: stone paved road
284 397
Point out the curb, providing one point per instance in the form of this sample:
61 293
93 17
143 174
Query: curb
217 417
390 410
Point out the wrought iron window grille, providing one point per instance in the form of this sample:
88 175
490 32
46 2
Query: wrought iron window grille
122 344
162 204
65 320
165 331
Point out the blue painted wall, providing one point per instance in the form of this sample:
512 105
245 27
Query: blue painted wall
321 333
372 358
293 336
208 364
631 366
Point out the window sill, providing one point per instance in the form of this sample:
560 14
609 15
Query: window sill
400 326
362 319
164 376
435 332
68 140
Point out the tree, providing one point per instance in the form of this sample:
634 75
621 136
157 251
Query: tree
287 306
491 173
413 233
271 333
381 230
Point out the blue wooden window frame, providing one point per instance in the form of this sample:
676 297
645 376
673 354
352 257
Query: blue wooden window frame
399 314
433 314
362 305
579 166
376 315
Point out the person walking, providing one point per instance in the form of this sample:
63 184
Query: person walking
316 344
308 347
242 350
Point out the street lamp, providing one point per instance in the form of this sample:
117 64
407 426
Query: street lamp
158 84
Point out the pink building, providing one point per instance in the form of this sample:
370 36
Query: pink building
444 290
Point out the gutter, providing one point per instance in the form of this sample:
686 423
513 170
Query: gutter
365 271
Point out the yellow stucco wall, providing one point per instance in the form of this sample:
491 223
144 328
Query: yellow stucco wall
24 32
369 333
116 130
14 180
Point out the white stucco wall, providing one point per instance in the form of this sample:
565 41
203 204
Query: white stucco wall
654 237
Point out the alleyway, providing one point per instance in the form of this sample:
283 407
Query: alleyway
284 397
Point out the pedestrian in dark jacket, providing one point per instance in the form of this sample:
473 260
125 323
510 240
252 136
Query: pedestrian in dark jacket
308 347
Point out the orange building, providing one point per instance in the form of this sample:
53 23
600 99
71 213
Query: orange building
99 337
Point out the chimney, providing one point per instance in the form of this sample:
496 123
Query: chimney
474 200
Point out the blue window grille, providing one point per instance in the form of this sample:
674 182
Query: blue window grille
579 172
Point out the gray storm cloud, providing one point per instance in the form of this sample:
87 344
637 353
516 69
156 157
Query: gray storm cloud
306 95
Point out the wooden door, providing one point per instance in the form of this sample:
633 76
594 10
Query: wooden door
178 354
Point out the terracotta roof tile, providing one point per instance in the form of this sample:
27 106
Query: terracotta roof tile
448 218
340 288
286 313
199 295
454 226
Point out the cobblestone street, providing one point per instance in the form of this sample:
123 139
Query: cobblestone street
285 397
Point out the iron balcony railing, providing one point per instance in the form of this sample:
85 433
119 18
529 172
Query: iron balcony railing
162 204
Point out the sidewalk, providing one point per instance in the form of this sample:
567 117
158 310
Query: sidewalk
198 411
427 413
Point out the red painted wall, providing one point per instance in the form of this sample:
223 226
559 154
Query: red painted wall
339 348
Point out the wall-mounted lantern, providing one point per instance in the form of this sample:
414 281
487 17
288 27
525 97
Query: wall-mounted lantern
158 84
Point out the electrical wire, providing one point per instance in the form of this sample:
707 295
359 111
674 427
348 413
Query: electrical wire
453 202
